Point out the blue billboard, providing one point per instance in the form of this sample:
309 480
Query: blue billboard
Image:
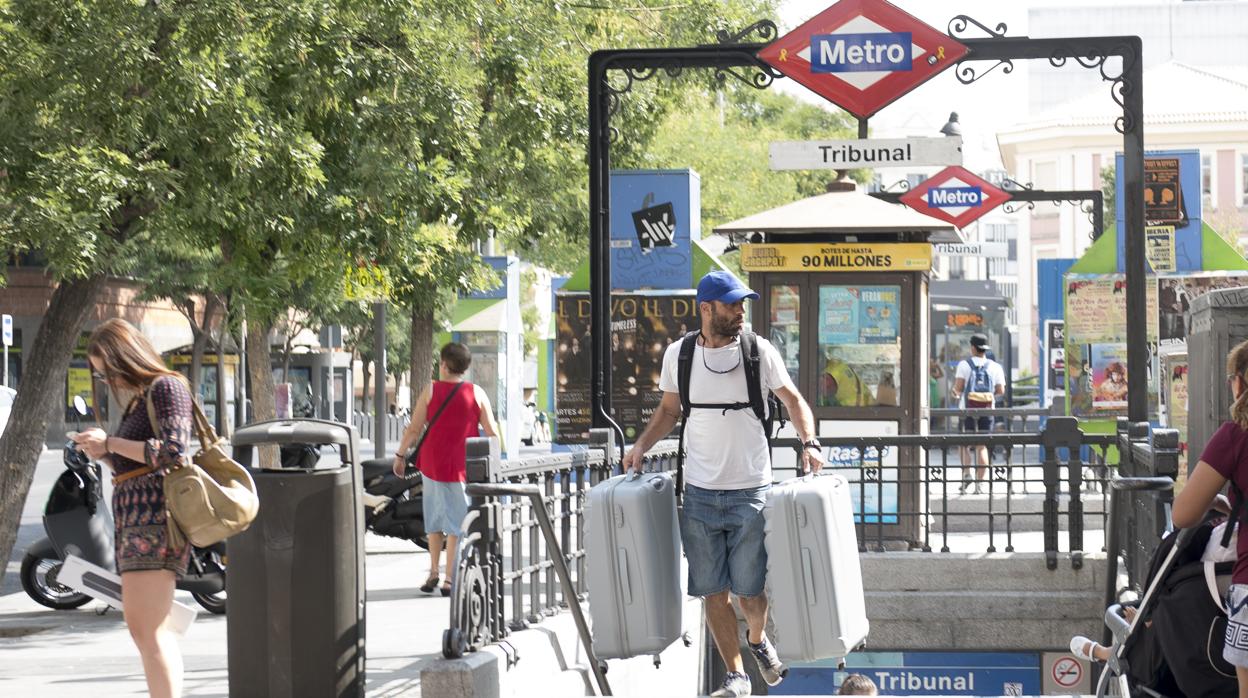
1172 211
654 215
922 674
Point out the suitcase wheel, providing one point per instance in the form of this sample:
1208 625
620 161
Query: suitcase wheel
684 637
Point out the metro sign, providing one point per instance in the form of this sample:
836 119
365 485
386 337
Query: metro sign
955 195
862 54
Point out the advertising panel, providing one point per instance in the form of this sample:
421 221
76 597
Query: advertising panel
1096 339
903 256
1175 296
642 326
654 215
1171 201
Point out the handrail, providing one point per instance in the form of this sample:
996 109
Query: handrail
534 493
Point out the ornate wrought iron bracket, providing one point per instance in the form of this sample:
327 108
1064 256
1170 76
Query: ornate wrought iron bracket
1089 201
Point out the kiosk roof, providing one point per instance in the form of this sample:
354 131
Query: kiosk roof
842 212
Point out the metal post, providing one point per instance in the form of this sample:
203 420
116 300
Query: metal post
6 365
240 384
379 367
1133 206
862 129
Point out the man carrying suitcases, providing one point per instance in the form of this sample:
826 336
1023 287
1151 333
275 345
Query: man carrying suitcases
706 380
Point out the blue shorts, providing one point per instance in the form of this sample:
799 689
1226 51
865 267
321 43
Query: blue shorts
445 506
722 533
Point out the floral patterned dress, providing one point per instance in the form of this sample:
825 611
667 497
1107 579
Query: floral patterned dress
139 514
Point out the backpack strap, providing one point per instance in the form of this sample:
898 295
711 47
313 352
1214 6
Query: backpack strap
684 369
754 377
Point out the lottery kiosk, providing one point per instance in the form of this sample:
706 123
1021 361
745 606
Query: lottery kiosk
843 279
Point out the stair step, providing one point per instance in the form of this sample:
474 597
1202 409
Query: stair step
979 572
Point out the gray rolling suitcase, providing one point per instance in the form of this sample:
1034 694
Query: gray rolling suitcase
814 577
632 556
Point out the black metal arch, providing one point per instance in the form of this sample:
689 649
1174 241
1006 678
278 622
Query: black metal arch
1126 89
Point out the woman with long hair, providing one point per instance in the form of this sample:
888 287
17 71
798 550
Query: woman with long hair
1223 459
140 451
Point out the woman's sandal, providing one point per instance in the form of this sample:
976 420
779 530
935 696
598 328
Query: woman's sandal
430 585
446 589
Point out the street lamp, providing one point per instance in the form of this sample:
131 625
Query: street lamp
952 127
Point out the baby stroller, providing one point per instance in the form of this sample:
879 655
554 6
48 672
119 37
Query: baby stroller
1173 645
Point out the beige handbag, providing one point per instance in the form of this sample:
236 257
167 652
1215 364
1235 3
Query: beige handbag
211 498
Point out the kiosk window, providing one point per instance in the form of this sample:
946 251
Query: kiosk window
785 330
859 346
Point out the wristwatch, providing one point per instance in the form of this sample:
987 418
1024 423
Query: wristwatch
812 443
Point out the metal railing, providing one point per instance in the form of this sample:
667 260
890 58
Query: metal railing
1003 419
506 566
1031 476
1140 509
507 575
395 424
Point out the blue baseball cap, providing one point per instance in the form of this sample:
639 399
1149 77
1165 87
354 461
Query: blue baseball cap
724 287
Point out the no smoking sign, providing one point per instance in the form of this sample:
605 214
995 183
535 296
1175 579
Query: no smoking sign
1067 672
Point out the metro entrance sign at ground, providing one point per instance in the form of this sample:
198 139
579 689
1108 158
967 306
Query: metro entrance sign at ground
955 195
862 54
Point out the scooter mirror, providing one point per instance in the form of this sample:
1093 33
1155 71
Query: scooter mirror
80 406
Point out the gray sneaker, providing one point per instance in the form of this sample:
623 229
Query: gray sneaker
768 662
734 685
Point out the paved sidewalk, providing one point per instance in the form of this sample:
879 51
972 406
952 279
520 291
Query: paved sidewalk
83 653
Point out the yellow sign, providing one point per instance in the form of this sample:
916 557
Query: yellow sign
366 282
1160 247
78 382
902 256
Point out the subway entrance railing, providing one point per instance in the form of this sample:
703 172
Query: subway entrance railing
1055 480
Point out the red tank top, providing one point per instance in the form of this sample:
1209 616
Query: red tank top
442 454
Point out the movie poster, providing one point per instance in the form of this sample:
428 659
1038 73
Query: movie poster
1175 297
1096 336
1174 377
642 327
1109 377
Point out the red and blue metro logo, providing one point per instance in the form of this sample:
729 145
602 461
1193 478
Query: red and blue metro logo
862 54
955 195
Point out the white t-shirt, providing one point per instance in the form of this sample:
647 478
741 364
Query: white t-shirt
995 373
725 451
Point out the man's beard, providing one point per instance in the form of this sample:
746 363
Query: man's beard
725 326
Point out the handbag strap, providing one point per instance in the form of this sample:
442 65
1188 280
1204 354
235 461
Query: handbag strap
434 418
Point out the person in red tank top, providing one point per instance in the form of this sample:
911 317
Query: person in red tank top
447 413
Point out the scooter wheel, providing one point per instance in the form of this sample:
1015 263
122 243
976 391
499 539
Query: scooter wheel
213 603
39 582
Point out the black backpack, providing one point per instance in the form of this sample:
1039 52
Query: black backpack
766 409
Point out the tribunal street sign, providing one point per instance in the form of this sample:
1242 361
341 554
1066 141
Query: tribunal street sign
862 54
955 195
856 154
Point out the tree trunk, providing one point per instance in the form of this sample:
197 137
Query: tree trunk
364 403
222 400
199 331
422 351
259 369
287 347
43 385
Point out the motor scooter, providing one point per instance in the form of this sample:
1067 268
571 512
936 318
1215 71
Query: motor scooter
78 522
392 505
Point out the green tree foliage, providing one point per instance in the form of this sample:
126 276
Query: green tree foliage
724 136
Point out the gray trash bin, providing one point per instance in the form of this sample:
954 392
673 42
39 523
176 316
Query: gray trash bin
296 581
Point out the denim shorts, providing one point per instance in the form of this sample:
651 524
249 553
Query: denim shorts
445 506
722 533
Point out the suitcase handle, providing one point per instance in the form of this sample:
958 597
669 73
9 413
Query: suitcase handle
626 588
